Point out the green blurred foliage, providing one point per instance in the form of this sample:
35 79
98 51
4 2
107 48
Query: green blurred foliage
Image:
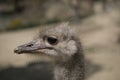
18 24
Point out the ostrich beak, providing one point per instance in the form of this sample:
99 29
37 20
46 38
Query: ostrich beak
30 47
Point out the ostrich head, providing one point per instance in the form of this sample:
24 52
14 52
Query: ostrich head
58 42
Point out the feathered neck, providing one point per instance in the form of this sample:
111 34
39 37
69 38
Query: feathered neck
73 69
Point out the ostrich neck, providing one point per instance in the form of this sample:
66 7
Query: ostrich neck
73 69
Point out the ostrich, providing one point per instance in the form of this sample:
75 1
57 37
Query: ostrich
63 47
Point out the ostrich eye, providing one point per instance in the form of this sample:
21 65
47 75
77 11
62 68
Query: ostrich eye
52 40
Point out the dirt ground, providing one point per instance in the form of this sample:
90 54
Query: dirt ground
99 35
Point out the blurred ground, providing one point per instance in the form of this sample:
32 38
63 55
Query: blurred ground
99 35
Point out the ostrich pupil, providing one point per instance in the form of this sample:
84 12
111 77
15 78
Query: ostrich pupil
52 40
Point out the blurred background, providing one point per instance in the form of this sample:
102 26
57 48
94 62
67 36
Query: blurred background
97 22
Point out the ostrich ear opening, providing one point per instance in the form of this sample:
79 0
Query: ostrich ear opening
71 47
30 47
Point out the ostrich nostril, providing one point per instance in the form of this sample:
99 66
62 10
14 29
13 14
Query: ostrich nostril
29 45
